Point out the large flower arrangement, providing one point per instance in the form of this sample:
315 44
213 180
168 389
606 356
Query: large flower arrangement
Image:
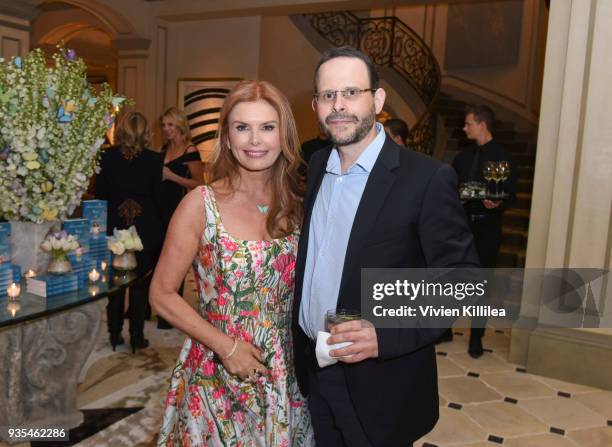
52 124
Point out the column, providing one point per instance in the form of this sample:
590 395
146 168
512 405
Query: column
571 225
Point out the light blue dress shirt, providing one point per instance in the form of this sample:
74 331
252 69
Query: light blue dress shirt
330 227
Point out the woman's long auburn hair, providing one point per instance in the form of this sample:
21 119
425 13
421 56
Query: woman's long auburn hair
286 211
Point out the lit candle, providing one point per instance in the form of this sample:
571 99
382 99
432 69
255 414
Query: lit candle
94 290
103 266
13 308
94 275
13 290
30 274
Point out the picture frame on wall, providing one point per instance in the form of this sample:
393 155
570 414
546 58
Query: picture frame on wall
201 100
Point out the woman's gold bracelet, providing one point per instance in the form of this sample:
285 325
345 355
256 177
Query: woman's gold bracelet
232 350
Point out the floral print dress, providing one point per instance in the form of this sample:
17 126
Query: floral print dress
246 291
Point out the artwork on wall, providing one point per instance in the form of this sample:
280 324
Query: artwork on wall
201 99
483 34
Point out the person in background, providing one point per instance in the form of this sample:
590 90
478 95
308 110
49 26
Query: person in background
130 180
311 146
234 382
397 129
183 170
484 216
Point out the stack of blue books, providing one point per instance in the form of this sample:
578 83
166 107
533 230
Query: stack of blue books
81 266
16 273
9 273
98 250
81 229
95 211
5 242
49 285
6 277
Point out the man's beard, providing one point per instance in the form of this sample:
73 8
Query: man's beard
364 125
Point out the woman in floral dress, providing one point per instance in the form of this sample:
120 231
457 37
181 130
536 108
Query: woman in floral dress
234 383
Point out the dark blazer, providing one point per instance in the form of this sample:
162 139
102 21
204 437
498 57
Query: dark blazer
409 216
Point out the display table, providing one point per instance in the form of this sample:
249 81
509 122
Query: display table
43 346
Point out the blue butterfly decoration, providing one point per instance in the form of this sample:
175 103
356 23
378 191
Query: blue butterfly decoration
17 61
62 116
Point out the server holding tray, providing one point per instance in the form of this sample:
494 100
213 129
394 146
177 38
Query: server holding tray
487 179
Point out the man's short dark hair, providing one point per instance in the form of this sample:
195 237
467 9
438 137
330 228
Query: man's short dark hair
482 114
347 51
397 127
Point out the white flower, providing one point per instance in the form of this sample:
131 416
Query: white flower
122 240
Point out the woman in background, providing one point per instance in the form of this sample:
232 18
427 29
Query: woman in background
234 382
183 170
130 180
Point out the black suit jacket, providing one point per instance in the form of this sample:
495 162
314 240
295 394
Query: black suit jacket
409 216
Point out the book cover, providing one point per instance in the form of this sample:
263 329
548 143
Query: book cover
80 229
95 211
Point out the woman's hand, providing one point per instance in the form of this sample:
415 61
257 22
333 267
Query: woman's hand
245 362
167 174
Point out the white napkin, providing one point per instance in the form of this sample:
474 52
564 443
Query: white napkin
322 349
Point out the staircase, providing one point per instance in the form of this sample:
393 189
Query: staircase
403 60
522 147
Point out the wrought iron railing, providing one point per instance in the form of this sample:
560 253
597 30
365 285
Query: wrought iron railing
391 43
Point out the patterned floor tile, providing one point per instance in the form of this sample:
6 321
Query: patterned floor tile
466 390
563 413
517 385
504 419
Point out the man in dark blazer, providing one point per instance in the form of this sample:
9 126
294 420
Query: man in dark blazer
369 203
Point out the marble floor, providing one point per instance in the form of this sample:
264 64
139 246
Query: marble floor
483 402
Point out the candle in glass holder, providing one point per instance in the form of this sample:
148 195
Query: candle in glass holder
13 291
94 275
13 308
30 274
103 266
94 290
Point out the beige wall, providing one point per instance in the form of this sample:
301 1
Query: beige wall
287 60
211 49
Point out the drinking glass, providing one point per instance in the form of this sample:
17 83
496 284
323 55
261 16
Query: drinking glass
504 172
334 317
488 172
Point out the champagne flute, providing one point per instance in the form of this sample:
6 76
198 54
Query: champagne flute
504 171
488 171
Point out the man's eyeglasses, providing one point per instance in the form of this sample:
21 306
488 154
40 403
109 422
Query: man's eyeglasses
350 93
